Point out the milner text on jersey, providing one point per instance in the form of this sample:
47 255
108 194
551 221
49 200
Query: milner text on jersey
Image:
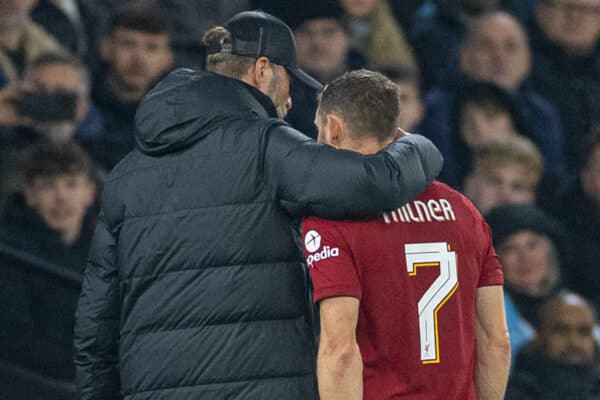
439 210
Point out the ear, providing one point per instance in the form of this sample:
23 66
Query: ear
261 68
337 129
106 47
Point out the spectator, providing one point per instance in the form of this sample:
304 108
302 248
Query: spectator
62 72
437 31
496 51
483 113
137 53
412 108
526 241
578 207
376 33
565 39
324 51
51 221
562 362
504 172
52 218
21 41
52 104
69 22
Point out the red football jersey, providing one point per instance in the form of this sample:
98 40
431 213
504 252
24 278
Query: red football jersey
416 271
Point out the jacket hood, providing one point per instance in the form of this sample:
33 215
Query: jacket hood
189 105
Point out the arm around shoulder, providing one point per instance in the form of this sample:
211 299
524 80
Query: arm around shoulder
320 180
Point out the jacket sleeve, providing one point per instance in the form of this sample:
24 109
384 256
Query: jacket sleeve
97 321
315 179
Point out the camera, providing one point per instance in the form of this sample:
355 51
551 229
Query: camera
48 106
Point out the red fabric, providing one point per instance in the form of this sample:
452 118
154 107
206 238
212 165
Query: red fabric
367 260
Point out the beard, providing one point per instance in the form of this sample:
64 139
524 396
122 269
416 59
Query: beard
274 91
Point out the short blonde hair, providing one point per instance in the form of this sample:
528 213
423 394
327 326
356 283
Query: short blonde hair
512 150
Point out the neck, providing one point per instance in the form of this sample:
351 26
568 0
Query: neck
122 91
370 145
70 234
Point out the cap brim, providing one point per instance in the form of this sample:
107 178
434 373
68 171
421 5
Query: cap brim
305 78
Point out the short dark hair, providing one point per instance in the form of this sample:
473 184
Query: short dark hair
47 160
513 150
230 65
138 17
488 95
366 100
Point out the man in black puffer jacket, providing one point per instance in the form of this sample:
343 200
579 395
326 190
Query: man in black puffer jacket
195 286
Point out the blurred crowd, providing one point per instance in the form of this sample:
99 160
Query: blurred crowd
508 90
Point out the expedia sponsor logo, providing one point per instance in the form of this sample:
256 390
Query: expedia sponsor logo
312 241
324 254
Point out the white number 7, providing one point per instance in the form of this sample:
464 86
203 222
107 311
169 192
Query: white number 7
432 255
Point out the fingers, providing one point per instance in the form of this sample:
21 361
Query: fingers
9 114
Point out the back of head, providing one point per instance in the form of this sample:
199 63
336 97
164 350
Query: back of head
366 101
247 37
228 64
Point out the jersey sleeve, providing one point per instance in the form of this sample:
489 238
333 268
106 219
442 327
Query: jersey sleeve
491 272
330 262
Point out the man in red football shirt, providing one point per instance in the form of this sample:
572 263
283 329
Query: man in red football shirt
411 302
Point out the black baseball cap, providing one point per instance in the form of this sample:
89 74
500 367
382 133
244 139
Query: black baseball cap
512 218
257 34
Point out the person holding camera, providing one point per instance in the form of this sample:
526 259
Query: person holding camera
49 104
